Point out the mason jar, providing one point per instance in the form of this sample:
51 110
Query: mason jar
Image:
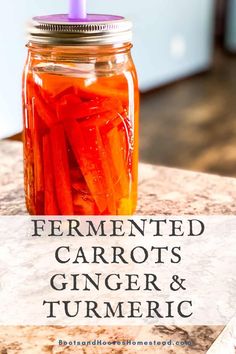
81 113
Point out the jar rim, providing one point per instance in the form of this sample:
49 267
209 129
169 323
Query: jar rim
41 30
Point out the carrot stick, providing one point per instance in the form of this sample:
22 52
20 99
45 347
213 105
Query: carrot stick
117 150
54 85
61 170
71 107
117 89
50 203
47 114
106 87
28 138
84 204
90 154
38 163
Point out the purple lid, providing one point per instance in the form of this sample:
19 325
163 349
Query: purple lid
63 18
78 14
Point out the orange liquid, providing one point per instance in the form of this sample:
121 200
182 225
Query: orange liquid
81 144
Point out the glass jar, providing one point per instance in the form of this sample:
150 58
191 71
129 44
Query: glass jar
81 112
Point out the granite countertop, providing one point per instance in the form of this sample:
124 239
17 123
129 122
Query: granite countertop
161 191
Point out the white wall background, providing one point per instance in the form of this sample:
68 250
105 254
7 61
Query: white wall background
12 56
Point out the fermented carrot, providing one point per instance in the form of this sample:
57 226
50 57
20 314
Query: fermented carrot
61 170
71 107
118 159
90 154
45 111
38 163
50 202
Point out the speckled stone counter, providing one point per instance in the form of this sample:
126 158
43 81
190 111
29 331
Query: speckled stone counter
40 340
161 191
